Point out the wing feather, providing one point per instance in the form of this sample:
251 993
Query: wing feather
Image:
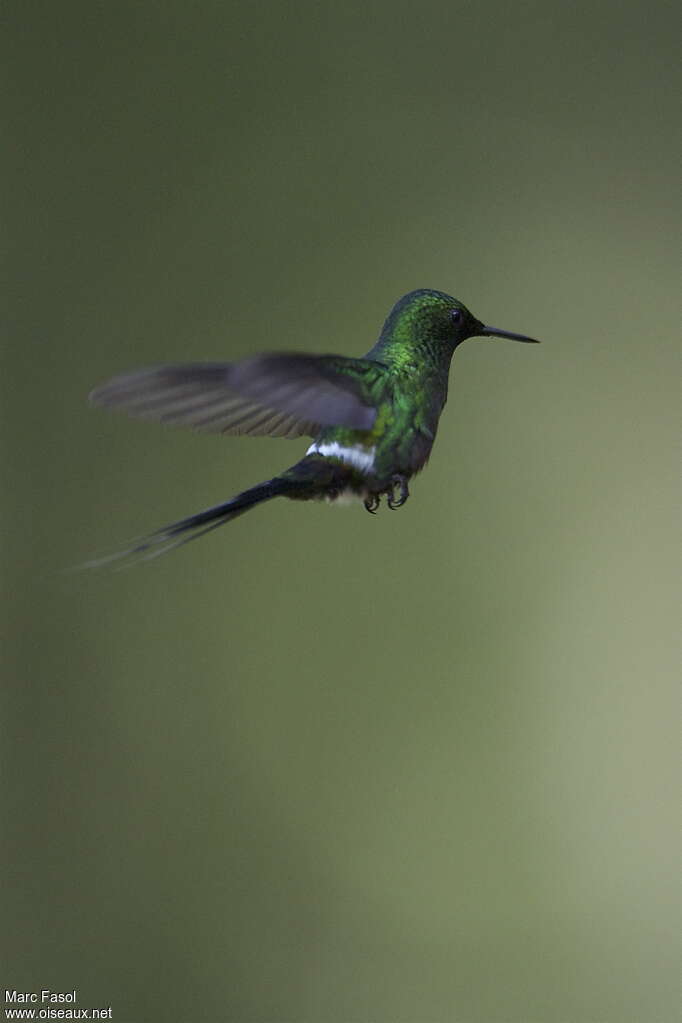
279 395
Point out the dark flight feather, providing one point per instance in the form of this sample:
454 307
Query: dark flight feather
278 395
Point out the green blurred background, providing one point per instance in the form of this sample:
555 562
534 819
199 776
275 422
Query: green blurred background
322 767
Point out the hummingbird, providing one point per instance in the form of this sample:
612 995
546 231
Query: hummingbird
372 420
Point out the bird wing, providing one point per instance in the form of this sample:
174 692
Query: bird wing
282 394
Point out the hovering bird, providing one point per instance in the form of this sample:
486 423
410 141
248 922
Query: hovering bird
373 420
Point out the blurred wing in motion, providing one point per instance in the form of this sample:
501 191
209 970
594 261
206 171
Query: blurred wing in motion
278 395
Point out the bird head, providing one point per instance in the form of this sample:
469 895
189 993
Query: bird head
426 316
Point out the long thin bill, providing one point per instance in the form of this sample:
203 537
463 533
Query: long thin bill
496 332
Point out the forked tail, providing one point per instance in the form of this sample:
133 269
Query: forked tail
313 477
181 532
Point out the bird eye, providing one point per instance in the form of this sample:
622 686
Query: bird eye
456 315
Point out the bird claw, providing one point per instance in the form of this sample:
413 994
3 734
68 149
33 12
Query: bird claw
393 501
372 503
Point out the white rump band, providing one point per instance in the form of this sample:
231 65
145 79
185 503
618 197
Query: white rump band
357 456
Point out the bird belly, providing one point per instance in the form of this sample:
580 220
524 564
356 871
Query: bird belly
344 498
357 457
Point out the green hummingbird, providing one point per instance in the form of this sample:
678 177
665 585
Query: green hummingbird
373 420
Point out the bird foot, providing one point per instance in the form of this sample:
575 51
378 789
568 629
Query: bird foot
399 482
396 493
372 503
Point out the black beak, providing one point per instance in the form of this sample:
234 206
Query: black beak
496 332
